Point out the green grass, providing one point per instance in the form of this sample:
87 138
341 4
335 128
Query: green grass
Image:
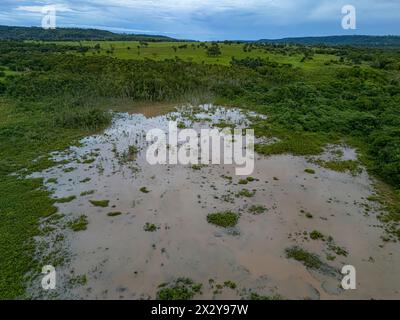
310 171
65 199
230 284
26 132
144 190
256 296
79 224
150 227
351 166
223 219
316 235
114 214
87 193
181 289
100 203
246 193
300 144
257 209
310 260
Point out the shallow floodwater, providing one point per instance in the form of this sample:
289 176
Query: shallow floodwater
118 259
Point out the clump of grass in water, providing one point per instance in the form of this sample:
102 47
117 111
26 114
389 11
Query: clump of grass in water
351 166
223 219
336 249
316 235
114 214
256 296
197 166
78 118
310 260
243 181
100 203
257 209
65 199
230 284
300 144
87 193
79 224
78 281
150 227
144 190
181 289
246 193
310 171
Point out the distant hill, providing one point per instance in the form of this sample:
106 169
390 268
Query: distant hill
72 34
365 41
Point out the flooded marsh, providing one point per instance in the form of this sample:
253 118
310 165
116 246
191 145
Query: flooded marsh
126 229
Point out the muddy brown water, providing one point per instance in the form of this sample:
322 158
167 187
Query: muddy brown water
120 260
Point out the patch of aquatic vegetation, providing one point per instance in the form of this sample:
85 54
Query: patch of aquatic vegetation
114 214
256 296
180 289
65 199
87 193
225 219
80 280
100 203
310 171
316 235
388 201
150 227
351 166
300 144
219 287
310 260
198 166
144 190
257 209
78 224
230 284
246 193
331 246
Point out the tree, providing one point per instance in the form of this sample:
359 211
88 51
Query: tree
214 50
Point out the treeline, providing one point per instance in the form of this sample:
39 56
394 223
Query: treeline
72 34
353 40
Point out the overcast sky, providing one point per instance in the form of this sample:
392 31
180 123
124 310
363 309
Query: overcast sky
211 19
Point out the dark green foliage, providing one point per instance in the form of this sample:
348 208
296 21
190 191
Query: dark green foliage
214 50
100 203
150 227
223 219
79 224
69 34
354 40
310 260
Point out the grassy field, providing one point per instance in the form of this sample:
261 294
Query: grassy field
195 52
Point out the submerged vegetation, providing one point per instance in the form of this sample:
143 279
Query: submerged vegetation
223 219
78 224
100 203
181 289
53 94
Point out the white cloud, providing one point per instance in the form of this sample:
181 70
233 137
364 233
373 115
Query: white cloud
39 9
